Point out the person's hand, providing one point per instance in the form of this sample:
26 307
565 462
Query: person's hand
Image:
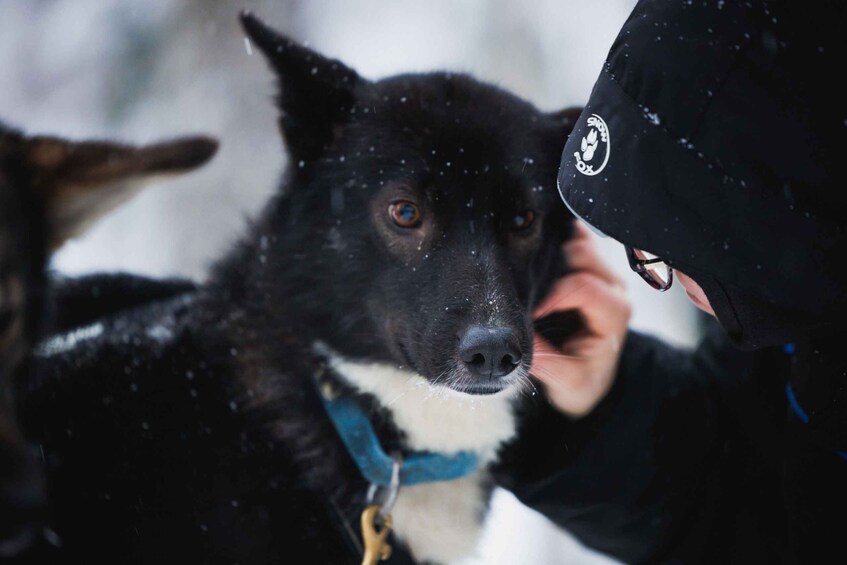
578 375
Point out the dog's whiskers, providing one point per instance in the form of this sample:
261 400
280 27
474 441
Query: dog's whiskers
522 379
440 390
547 373
402 394
563 355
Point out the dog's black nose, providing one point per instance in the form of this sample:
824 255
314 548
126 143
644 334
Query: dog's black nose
489 351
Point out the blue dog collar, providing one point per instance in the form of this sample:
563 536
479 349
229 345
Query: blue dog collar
418 467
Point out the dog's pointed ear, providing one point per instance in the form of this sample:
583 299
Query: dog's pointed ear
567 118
316 94
79 182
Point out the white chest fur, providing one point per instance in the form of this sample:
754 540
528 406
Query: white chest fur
441 522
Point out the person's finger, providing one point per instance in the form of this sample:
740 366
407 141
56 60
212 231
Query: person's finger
582 255
603 306
573 383
548 363
581 232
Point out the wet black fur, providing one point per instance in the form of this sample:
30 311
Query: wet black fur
76 301
189 429
23 238
23 250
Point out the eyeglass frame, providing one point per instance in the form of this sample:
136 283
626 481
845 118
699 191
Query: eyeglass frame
640 266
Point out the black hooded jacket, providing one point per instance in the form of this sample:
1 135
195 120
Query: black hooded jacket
714 138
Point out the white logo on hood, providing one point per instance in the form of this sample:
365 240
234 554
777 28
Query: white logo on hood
590 144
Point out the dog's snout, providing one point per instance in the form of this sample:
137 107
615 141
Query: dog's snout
490 351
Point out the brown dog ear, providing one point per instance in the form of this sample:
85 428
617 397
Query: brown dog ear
79 182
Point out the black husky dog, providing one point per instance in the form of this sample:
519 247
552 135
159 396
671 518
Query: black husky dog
51 189
373 328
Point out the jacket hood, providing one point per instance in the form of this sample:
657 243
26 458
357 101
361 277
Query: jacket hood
713 138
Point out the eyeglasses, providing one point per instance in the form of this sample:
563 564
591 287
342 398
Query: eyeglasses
652 269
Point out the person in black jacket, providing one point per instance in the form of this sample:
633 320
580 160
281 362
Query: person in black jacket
711 147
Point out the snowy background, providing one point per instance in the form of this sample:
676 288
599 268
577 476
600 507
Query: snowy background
143 70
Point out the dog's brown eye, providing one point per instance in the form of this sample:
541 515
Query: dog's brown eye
405 214
523 220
